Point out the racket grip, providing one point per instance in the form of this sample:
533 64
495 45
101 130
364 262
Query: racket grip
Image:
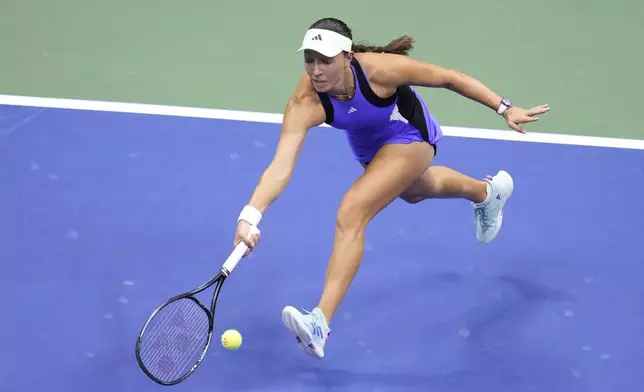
237 253
235 256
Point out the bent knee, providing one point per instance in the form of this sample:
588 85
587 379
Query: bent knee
412 198
352 216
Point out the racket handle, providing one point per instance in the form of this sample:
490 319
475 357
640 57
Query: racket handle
237 254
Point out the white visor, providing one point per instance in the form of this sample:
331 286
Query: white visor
325 42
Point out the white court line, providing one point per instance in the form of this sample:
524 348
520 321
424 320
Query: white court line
276 118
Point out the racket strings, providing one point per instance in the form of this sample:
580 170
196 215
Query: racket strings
175 340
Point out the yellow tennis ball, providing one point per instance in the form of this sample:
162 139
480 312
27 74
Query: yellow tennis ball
231 339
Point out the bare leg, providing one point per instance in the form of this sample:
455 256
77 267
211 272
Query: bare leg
394 169
440 182
489 196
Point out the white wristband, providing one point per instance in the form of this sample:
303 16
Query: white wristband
251 215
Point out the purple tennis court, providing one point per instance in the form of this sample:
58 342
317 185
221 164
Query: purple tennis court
104 215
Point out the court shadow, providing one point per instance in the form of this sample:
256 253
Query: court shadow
534 291
519 302
492 352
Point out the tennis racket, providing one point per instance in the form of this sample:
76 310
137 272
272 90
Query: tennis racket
177 335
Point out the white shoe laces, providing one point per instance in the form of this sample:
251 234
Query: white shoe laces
319 319
482 215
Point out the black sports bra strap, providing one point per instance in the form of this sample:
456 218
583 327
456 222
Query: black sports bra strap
328 107
366 90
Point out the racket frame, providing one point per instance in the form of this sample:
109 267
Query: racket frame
225 270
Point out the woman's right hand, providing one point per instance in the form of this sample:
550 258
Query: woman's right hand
250 236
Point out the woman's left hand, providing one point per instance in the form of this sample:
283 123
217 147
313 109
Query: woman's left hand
515 116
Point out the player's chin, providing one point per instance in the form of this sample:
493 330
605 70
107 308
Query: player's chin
321 87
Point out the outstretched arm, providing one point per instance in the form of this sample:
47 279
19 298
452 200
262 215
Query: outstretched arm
302 113
399 70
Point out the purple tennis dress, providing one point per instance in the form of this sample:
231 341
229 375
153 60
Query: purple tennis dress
370 121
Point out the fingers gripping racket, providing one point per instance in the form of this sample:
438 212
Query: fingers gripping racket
177 335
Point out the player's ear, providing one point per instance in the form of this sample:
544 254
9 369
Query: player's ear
348 57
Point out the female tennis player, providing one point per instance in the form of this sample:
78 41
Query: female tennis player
366 91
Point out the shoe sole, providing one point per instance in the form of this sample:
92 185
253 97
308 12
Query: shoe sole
302 334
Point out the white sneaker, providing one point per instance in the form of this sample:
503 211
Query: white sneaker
489 214
310 330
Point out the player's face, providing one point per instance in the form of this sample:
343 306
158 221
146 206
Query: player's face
326 73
